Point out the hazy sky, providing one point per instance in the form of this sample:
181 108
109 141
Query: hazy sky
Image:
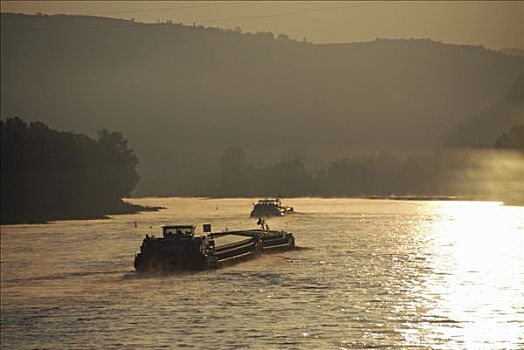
491 24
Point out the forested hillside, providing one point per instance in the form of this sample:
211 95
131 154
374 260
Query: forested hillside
482 128
183 95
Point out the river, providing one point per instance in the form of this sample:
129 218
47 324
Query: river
376 274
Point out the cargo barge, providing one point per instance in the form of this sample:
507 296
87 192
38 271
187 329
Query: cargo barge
270 207
179 249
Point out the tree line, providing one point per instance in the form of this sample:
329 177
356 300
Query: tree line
487 173
48 174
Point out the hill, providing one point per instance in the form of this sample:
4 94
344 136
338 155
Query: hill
183 94
482 129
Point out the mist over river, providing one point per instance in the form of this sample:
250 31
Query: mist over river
375 274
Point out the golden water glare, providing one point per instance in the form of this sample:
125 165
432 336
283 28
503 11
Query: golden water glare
477 250
377 273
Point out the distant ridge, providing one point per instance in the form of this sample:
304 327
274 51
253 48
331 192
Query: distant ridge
483 129
183 94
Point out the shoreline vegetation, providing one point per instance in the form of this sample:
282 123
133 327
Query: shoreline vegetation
122 208
55 175
50 175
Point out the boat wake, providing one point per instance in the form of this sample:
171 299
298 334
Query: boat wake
66 276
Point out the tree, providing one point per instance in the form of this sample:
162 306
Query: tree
289 178
48 174
353 176
513 140
234 171
118 161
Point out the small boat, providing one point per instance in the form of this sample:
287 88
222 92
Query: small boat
270 207
179 249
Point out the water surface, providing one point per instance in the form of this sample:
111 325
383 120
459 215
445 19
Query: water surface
377 274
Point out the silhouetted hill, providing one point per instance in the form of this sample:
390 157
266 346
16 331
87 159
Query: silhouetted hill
483 129
184 94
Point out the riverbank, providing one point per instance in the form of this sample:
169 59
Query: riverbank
80 213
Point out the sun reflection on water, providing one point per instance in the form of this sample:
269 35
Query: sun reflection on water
476 254
385 274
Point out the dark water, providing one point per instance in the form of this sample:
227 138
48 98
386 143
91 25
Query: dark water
378 274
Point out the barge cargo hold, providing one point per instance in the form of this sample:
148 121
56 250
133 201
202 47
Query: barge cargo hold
179 249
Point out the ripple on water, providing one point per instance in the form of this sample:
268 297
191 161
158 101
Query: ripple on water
371 274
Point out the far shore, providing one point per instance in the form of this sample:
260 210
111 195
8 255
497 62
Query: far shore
125 207
373 197
426 198
93 214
